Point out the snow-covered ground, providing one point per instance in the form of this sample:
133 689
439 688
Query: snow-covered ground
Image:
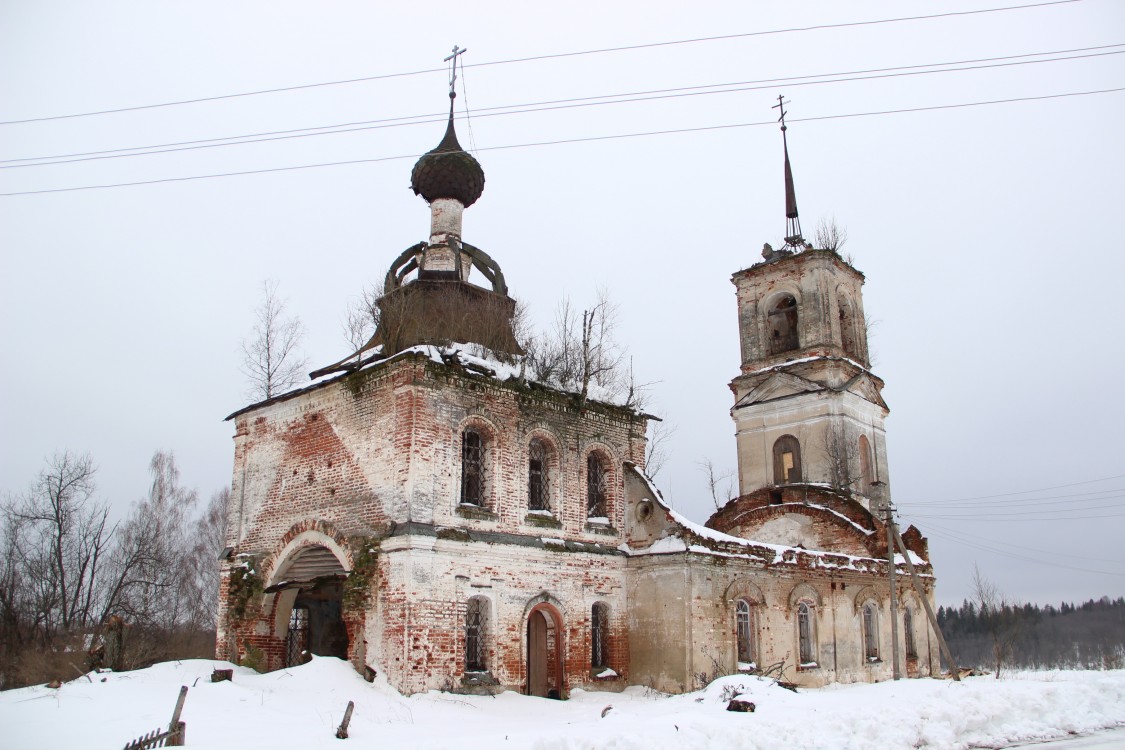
301 708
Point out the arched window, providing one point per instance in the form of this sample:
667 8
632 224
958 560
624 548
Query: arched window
783 325
538 476
476 633
865 465
746 633
849 333
786 460
806 634
597 487
472 468
599 635
908 630
870 632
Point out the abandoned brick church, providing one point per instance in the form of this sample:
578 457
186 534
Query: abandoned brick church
425 510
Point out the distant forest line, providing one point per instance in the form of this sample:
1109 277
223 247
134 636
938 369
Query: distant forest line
1085 636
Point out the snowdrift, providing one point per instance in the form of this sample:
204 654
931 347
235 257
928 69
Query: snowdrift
301 708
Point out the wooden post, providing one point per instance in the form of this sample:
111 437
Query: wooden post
342 732
177 727
925 603
895 669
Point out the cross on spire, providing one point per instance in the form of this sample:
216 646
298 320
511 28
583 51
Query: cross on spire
452 60
792 222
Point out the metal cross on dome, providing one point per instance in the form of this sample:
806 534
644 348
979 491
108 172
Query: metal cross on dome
452 60
780 105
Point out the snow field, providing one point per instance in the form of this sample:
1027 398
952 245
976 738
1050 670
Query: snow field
301 708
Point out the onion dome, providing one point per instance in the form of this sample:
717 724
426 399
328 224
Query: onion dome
448 171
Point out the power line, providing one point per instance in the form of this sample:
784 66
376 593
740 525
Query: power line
1019 548
1039 489
1053 563
1071 500
572 103
536 58
588 139
1023 518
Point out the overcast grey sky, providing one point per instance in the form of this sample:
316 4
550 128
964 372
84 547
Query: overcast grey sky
988 234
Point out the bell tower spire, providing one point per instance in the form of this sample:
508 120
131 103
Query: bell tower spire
793 236
807 407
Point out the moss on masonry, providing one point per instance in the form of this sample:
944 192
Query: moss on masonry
365 561
245 586
457 535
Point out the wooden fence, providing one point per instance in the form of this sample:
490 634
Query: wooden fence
173 736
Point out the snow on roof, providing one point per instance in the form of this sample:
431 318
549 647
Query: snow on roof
474 359
811 358
764 552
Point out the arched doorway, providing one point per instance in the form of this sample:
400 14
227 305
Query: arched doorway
310 605
544 652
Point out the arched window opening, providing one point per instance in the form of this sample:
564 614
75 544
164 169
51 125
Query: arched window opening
806 634
783 325
297 639
597 487
908 629
472 468
599 635
538 477
849 334
476 627
870 632
786 460
746 634
865 464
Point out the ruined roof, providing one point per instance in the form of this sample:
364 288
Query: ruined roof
448 171
689 536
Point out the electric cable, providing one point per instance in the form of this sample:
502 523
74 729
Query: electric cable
548 105
577 103
565 141
535 58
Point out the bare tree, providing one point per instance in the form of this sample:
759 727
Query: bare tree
271 354
66 539
719 485
201 570
362 316
842 462
1001 618
581 351
656 449
829 235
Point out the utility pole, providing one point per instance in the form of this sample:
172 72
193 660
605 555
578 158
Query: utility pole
920 590
890 521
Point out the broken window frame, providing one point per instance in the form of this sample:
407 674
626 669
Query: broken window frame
597 487
787 446
599 635
908 632
782 321
806 634
476 626
297 637
745 629
473 449
538 476
870 632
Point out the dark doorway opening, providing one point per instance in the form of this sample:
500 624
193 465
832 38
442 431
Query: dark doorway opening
316 625
544 652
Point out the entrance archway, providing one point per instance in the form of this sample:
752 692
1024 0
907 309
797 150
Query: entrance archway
544 652
310 606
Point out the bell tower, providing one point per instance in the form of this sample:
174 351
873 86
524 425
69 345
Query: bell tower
808 409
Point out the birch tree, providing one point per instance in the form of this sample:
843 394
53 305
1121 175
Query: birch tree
272 358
